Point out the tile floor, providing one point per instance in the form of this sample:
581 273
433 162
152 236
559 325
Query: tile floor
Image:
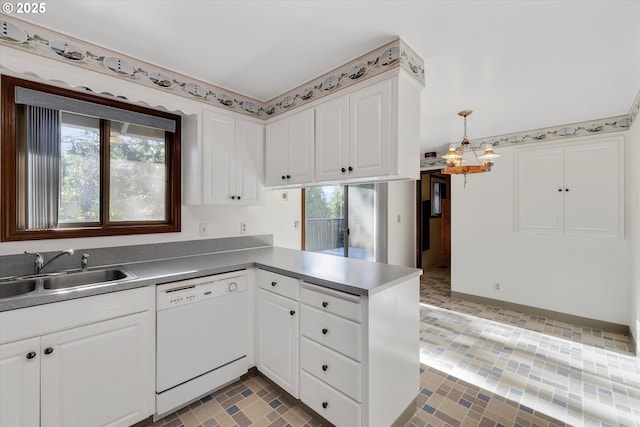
578 375
481 366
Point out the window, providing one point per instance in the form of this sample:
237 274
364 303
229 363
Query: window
346 220
79 165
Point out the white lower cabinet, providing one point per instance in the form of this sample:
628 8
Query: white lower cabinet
277 332
329 402
359 356
95 374
20 383
98 374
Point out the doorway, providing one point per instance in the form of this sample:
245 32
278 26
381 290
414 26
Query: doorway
345 220
434 221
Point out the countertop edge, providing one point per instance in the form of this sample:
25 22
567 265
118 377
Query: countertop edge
143 279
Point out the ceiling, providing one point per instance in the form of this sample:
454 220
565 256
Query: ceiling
520 65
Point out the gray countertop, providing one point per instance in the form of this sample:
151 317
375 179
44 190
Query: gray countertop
343 274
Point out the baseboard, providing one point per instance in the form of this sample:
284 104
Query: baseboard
556 315
404 420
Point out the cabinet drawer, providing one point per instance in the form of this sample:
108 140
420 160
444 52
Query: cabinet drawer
335 302
328 402
341 335
334 369
281 285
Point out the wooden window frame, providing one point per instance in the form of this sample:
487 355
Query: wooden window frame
12 207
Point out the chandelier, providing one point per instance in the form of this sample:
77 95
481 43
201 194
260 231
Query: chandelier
455 156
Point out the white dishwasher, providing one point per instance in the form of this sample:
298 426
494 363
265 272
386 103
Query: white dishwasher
202 337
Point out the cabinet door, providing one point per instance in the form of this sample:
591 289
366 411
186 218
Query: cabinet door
540 190
301 137
593 188
99 374
276 153
370 132
248 161
20 383
332 140
277 340
218 157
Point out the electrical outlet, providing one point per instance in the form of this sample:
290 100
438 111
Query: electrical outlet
496 286
204 228
243 227
285 196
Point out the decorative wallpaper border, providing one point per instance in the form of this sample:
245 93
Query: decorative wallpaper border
592 127
54 45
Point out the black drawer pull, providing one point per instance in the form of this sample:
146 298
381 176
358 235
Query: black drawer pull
48 350
325 367
325 404
325 304
31 355
292 312
274 283
324 331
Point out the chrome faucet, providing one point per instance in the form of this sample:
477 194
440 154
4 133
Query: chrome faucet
39 262
84 262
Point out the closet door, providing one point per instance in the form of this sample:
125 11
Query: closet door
592 188
540 190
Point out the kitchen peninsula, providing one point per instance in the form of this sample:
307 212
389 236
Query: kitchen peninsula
351 326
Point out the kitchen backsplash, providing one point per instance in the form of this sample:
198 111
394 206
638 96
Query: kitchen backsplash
22 264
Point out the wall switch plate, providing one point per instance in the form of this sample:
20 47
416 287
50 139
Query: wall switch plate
243 227
204 228
496 286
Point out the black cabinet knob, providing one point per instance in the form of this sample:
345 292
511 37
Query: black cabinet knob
560 190
292 312
288 176
284 177
325 404
274 283
566 189
350 169
343 170
324 331
48 350
233 197
325 304
325 367
31 355
238 197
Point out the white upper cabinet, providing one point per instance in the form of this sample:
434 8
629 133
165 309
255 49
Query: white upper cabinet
225 167
289 150
332 139
573 189
372 133
370 138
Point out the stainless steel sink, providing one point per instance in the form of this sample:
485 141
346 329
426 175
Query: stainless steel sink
83 278
16 288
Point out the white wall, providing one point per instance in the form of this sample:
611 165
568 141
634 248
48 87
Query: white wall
275 217
582 276
632 152
401 228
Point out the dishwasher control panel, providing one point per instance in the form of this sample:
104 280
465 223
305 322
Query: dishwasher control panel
175 294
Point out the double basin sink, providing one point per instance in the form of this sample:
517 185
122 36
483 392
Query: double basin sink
56 282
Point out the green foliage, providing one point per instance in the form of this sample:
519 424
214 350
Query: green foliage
336 203
315 203
137 178
80 178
